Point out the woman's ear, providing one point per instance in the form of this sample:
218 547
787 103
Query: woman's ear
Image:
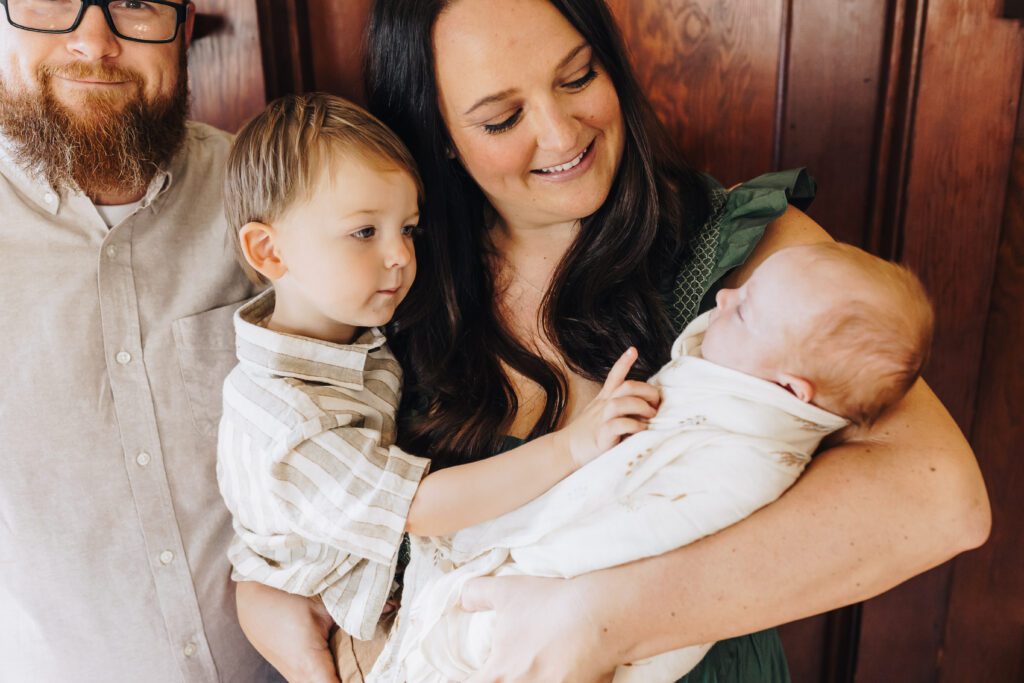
802 388
260 252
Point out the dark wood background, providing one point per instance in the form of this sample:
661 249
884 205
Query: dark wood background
907 112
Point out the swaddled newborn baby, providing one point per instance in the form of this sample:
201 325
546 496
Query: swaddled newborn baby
819 337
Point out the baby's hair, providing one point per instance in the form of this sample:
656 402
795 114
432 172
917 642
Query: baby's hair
866 352
280 156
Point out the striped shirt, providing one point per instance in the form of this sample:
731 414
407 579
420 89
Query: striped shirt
307 466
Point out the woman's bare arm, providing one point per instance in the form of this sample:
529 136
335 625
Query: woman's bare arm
868 514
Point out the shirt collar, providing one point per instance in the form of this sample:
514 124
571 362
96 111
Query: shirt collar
287 355
35 187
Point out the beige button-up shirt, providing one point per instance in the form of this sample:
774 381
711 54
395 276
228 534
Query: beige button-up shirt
115 344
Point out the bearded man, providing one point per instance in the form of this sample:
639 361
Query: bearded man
117 302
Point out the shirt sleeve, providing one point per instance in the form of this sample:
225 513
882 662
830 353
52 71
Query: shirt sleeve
343 498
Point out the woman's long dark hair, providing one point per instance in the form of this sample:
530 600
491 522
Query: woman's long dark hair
607 292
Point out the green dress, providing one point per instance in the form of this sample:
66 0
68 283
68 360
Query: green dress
737 223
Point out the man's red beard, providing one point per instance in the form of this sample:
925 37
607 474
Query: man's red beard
111 146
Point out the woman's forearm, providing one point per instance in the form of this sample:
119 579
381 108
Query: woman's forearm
865 517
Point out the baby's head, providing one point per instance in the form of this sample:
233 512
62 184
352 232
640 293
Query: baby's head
322 200
835 325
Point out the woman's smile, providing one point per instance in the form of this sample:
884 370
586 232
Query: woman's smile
573 168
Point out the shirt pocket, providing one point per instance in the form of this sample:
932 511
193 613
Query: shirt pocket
206 354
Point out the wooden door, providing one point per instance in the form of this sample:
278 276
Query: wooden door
906 111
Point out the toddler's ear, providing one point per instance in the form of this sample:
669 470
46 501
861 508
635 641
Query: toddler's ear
257 240
802 388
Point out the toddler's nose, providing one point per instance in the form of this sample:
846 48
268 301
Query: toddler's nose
399 254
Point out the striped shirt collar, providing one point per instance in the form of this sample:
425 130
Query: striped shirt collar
286 355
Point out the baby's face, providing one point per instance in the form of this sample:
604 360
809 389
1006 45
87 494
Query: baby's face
752 325
349 250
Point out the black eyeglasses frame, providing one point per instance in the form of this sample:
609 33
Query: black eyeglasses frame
180 8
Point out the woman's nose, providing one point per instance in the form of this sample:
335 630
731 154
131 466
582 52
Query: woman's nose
557 128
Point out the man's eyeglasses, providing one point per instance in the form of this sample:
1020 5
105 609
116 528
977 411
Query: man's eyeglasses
149 21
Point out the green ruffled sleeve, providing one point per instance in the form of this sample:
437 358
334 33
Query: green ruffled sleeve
737 223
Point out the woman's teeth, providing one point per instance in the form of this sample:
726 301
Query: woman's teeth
567 165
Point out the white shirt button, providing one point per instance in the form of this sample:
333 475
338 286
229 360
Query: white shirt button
189 650
166 557
123 357
111 251
142 458
48 198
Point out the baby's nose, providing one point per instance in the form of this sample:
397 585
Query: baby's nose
723 297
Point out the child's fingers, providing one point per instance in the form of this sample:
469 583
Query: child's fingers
631 406
617 375
647 392
614 430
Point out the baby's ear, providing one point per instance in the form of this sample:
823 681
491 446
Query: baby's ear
260 252
802 388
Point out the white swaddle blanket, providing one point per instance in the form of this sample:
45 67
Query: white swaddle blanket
722 445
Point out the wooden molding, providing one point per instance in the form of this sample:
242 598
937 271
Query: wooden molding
285 46
896 117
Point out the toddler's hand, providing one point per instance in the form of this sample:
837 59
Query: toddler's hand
622 408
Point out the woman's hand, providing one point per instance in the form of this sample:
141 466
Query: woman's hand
290 631
622 408
545 630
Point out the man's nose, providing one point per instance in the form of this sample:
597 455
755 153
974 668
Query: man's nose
93 40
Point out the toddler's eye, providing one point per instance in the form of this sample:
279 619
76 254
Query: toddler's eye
365 233
412 231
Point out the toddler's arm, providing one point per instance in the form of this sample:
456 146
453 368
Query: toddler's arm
463 496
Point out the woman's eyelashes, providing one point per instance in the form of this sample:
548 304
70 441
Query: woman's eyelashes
573 86
501 127
583 81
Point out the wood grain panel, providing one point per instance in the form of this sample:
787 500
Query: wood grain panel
985 634
225 68
711 68
336 30
963 126
963 136
836 55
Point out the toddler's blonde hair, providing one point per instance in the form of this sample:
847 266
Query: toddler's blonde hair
280 156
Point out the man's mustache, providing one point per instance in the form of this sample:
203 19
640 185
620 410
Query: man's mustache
81 71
